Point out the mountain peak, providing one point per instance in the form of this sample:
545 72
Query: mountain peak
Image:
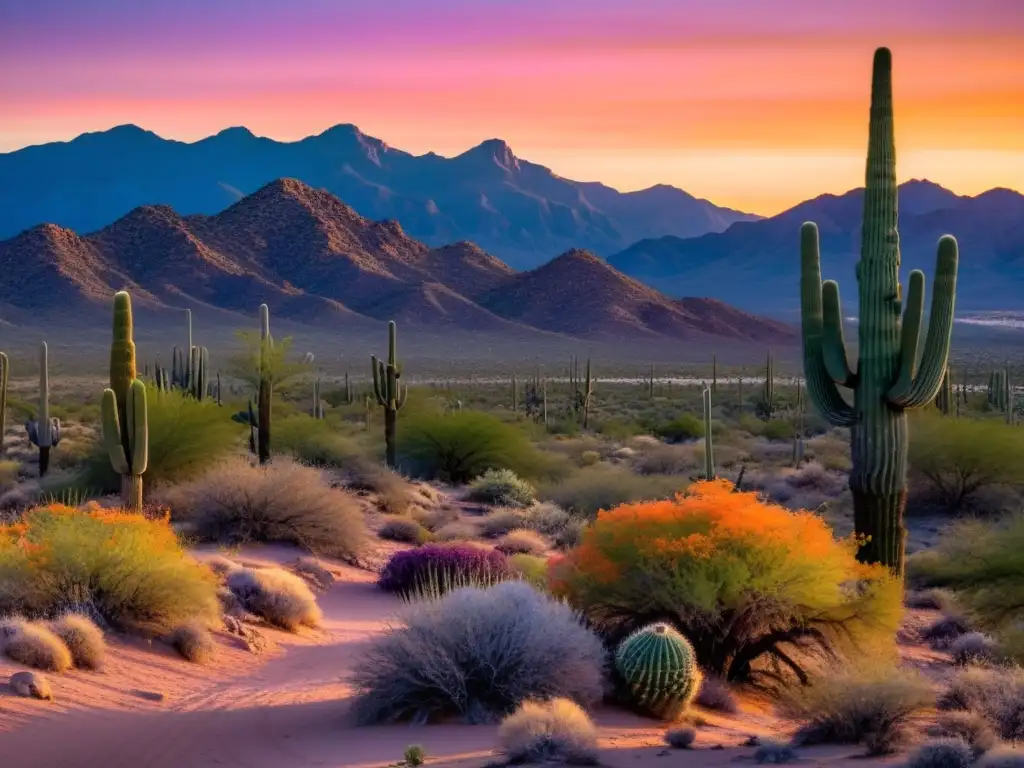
496 150
235 132
341 130
578 256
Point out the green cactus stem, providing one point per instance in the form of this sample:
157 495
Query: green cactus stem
348 391
714 374
709 456
767 403
264 394
389 392
944 400
44 432
5 372
252 430
800 411
122 357
659 668
318 406
650 383
131 459
885 383
515 393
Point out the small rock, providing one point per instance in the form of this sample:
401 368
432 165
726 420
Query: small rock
31 685
151 695
752 741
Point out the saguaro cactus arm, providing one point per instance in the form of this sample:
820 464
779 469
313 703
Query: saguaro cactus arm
833 342
914 391
821 386
112 433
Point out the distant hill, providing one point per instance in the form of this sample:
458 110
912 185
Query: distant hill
313 259
756 264
515 209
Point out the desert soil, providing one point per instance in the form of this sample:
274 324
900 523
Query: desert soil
288 706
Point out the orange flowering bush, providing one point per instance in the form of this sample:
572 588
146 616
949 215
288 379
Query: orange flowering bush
755 587
128 569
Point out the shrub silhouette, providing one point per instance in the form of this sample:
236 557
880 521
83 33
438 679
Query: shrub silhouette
747 582
434 569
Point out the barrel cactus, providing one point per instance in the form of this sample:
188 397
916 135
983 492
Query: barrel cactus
659 667
888 379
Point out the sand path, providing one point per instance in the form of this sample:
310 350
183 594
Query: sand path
287 708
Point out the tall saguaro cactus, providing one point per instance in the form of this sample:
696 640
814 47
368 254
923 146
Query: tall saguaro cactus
44 432
389 392
885 383
123 409
266 387
709 456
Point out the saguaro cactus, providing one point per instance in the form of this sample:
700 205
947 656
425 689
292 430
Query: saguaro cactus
885 384
709 456
44 432
5 371
944 399
389 392
123 408
266 387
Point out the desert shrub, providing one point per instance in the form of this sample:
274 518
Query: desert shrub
808 487
681 738
778 429
186 436
34 646
996 694
128 569
194 642
684 427
456 531
502 521
404 529
547 519
556 731
983 563
312 441
597 488
239 502
944 630
522 542
501 486
437 568
935 599
873 710
589 458
954 459
715 694
477 653
831 450
8 475
459 446
570 535
670 460
281 598
1004 757
774 753
530 568
414 755
942 753
83 639
970 727
973 648
744 580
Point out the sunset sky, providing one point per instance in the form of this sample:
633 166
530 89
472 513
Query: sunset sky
755 104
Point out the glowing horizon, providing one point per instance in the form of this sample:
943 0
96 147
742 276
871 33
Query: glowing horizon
752 108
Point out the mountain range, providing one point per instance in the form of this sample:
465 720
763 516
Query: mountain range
314 260
515 209
756 264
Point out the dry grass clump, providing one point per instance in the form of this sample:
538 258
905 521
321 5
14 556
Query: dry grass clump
681 738
942 753
548 519
997 694
279 597
477 653
456 531
596 488
194 642
8 474
501 486
238 502
873 710
502 521
715 694
403 529
970 727
220 565
556 731
931 599
974 648
662 459
34 646
83 639
522 542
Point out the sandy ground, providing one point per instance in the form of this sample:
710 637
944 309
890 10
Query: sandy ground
287 708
